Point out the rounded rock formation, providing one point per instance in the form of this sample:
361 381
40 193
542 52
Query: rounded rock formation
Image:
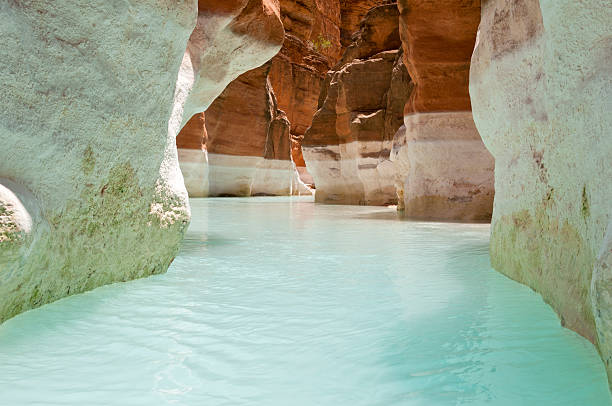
92 99
542 105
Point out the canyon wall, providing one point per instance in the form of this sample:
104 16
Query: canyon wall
352 13
444 170
540 84
193 155
293 80
249 147
241 146
361 107
312 46
93 95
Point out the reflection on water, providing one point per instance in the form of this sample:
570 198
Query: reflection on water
277 301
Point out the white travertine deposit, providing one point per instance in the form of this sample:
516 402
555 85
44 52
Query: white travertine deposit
90 104
540 85
444 171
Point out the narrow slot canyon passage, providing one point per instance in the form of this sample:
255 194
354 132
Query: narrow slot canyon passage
278 301
305 203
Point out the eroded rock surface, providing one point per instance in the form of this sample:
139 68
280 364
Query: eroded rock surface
231 37
312 46
542 105
348 145
193 155
352 13
91 190
249 147
445 171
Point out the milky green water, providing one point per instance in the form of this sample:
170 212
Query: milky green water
277 301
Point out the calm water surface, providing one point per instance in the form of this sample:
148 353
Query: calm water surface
277 301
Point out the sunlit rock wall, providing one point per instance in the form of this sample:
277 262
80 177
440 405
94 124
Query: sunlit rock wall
312 46
248 143
445 171
91 192
352 13
348 145
231 37
540 85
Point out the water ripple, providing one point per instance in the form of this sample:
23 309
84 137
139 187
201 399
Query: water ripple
282 302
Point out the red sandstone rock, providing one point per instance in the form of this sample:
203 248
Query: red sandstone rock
438 42
193 135
249 146
444 170
237 122
353 12
347 147
250 28
312 46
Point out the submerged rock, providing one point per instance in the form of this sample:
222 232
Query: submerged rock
91 190
347 147
540 85
444 169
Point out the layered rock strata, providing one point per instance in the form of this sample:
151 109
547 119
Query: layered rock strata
444 169
193 155
542 105
98 196
311 47
352 13
348 145
249 147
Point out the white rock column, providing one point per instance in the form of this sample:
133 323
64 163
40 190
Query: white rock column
444 169
540 85
93 95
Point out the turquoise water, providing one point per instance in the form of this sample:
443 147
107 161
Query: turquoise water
277 301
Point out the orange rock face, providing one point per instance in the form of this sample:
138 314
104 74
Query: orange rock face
238 121
224 30
248 141
230 37
193 135
312 46
438 42
352 12
444 169
348 145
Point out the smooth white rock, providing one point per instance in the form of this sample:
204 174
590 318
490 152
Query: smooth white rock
249 175
194 166
352 173
541 85
443 169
